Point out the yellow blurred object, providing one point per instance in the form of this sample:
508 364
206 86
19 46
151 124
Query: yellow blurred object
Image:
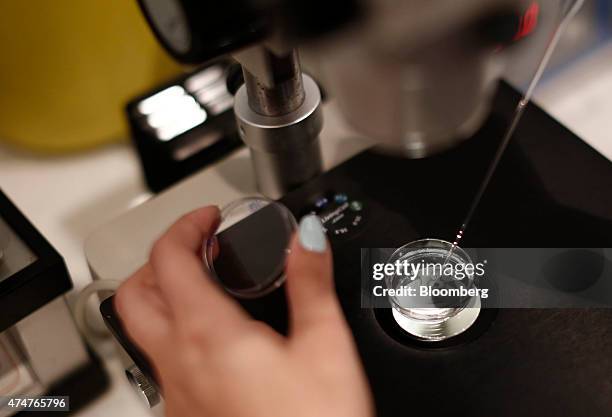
69 67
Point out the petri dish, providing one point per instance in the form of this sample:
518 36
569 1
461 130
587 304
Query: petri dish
429 316
248 253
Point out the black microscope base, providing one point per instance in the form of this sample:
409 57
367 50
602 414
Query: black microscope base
551 190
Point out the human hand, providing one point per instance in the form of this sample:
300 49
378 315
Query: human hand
212 359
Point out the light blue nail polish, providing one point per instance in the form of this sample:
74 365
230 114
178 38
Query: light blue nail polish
311 234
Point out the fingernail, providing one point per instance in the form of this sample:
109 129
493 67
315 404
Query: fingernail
311 234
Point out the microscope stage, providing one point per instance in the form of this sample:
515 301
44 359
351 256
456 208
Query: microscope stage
550 190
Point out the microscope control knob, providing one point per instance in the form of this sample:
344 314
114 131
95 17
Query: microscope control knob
143 386
194 31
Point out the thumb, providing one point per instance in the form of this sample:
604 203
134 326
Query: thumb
310 284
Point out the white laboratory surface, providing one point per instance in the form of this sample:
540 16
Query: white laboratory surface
72 198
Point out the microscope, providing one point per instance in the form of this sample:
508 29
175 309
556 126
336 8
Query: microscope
421 80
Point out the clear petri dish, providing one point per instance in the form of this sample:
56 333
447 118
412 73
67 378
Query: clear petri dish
248 252
424 313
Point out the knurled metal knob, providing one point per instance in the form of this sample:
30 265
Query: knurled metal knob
143 386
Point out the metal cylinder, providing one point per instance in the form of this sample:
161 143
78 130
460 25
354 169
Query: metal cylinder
286 92
285 147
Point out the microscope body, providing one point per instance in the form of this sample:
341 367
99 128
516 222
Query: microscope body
417 77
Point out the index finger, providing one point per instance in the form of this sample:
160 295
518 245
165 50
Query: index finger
180 274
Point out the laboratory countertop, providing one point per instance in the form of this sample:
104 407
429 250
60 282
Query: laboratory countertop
109 182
